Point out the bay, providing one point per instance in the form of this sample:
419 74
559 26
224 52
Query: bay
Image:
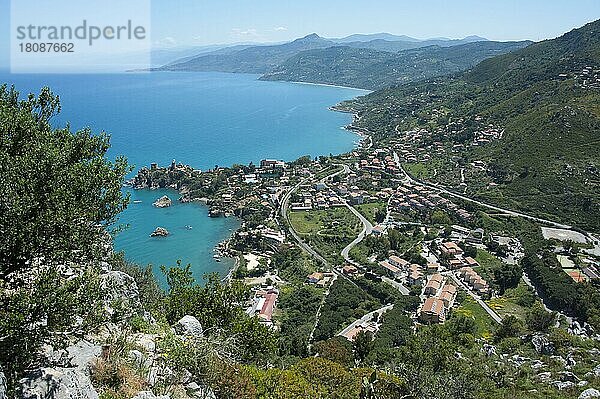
201 119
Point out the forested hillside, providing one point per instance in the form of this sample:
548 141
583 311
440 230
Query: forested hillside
543 98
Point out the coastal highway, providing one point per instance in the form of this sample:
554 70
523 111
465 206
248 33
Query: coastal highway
480 203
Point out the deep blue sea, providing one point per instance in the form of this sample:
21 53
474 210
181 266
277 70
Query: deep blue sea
202 119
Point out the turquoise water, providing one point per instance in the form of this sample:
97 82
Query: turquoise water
202 119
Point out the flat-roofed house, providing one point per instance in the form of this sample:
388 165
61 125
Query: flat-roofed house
433 267
470 262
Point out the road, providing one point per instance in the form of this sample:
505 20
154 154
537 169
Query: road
284 214
366 318
480 203
484 305
403 290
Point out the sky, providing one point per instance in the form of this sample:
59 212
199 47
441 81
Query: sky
201 22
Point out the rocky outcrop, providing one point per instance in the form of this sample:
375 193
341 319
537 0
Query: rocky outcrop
163 202
189 326
595 372
589 393
160 232
69 380
121 294
542 345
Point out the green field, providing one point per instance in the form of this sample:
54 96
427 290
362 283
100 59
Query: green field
328 231
470 308
368 210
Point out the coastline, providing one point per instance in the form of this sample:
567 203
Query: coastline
325 85
222 248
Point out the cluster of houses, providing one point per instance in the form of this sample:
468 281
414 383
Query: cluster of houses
380 160
440 298
453 256
588 78
487 135
474 280
317 196
416 197
413 274
263 305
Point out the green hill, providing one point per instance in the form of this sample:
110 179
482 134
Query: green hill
546 99
374 69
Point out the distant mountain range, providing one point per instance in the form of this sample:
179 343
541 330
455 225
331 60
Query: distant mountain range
351 60
374 69
255 59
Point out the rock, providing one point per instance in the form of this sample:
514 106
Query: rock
489 350
589 394
160 232
545 376
595 372
542 345
568 376
160 374
71 382
163 202
2 385
149 395
146 342
537 364
136 357
189 326
562 385
120 287
582 383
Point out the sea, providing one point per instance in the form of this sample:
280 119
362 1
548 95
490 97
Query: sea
202 119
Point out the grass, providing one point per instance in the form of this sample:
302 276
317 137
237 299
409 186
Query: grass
332 221
368 210
487 260
485 324
418 170
328 231
515 301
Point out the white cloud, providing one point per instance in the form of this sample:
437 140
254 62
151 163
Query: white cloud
251 32
280 29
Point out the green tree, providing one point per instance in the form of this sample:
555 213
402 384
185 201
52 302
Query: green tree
539 319
511 326
363 343
507 276
59 191
59 195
